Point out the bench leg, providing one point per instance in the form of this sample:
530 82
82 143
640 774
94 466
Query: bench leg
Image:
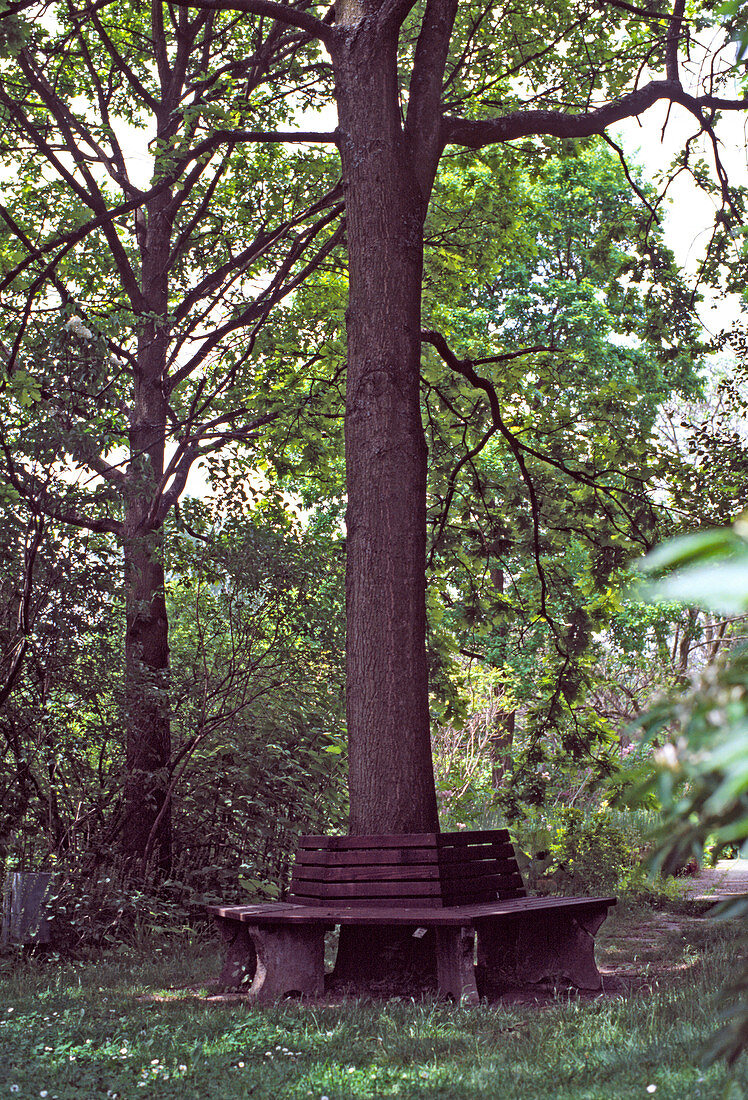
454 964
241 957
540 947
290 959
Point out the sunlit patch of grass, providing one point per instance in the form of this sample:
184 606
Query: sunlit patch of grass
131 1027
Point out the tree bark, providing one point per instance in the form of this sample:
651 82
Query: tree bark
391 780
147 825
147 820
502 735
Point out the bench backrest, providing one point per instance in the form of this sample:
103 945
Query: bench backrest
412 869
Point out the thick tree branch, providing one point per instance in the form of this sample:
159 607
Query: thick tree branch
110 473
673 42
475 134
282 13
641 12
393 13
422 121
189 450
465 368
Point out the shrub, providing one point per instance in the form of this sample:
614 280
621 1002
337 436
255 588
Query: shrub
589 850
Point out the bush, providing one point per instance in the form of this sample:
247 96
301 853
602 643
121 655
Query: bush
578 850
589 852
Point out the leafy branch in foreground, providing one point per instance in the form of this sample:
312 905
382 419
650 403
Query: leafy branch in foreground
701 773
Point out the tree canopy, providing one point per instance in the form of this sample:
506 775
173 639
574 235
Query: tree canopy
138 309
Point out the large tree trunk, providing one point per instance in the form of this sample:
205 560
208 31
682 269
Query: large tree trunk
147 826
391 778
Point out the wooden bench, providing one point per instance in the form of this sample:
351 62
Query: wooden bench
462 885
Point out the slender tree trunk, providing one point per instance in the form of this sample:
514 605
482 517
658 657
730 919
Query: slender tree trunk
147 820
391 778
502 736
147 828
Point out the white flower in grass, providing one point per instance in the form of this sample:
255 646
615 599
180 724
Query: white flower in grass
14 1088
651 1088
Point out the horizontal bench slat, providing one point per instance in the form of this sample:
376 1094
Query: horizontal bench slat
386 840
368 857
382 872
404 840
408 891
499 884
332 880
416 872
353 905
485 868
477 836
368 889
389 856
476 853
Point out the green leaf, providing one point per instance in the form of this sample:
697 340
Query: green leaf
720 587
700 546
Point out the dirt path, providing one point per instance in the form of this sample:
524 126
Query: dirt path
728 879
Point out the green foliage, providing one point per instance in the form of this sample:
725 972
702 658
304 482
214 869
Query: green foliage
735 20
590 849
705 461
143 247
256 693
58 725
557 286
257 672
587 849
701 776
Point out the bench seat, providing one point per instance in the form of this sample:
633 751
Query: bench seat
456 884
330 915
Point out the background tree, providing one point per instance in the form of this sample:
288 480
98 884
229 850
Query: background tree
133 306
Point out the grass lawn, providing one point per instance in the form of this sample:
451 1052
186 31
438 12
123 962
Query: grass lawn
142 1026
